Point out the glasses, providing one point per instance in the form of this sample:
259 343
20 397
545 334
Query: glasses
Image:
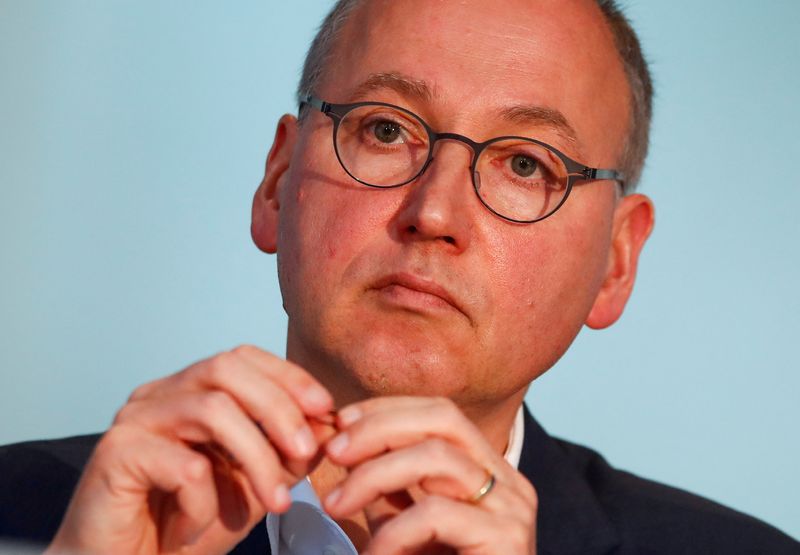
519 179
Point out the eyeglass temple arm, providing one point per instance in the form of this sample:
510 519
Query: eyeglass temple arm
307 99
594 173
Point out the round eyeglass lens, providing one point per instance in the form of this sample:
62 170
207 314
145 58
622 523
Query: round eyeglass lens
520 179
381 146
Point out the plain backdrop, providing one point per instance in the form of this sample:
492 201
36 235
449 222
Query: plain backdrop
133 134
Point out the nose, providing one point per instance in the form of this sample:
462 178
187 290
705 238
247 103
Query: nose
439 204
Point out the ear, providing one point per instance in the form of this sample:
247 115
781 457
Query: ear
266 203
633 222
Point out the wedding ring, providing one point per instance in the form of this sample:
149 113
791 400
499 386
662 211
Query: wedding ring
484 489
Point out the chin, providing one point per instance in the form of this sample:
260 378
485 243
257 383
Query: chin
409 358
381 368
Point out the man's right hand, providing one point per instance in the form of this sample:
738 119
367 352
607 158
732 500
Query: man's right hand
197 458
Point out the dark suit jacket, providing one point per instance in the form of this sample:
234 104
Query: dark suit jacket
585 506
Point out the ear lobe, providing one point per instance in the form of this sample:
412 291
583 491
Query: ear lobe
266 203
633 221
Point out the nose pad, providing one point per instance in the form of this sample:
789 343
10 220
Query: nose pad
477 177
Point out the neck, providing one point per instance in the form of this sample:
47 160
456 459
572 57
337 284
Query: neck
496 419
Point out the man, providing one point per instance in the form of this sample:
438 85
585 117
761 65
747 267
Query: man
452 205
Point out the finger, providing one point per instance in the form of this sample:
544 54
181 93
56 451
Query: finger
353 412
437 466
387 424
130 462
463 527
270 405
214 417
280 396
255 388
218 370
312 396
273 391
150 388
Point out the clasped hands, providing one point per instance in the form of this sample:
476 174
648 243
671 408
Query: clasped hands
193 461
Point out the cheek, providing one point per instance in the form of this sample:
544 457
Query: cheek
526 276
332 226
545 284
325 224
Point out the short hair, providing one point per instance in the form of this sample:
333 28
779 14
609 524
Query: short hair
634 149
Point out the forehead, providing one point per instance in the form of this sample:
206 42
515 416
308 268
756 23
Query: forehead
479 57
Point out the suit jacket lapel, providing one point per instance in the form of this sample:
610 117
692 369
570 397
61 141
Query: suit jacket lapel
570 519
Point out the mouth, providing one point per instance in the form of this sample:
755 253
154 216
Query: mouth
415 293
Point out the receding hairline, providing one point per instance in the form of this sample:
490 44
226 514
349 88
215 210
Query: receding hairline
635 143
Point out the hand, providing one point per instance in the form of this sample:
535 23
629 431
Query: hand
427 445
197 458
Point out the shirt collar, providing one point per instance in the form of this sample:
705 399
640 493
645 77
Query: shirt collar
515 439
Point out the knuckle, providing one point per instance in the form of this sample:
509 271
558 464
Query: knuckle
113 441
215 402
438 449
216 368
141 392
246 350
223 360
124 414
197 468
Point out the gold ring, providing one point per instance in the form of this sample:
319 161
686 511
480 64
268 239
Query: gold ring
487 486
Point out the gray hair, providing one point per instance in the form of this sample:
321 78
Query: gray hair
634 150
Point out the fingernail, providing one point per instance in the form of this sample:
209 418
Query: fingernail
337 445
304 442
333 498
348 415
281 496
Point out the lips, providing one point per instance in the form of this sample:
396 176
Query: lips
411 289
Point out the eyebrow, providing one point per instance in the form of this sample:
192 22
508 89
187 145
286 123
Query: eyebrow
397 82
420 90
541 115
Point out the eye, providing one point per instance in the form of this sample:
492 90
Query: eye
523 166
386 131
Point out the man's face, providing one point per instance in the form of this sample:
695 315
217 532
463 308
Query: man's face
363 271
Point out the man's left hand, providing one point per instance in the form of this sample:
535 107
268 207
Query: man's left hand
428 451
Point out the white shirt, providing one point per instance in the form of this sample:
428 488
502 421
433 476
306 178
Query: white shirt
306 529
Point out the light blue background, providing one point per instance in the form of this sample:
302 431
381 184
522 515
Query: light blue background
132 135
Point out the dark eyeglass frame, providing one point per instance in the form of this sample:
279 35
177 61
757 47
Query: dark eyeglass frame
575 170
